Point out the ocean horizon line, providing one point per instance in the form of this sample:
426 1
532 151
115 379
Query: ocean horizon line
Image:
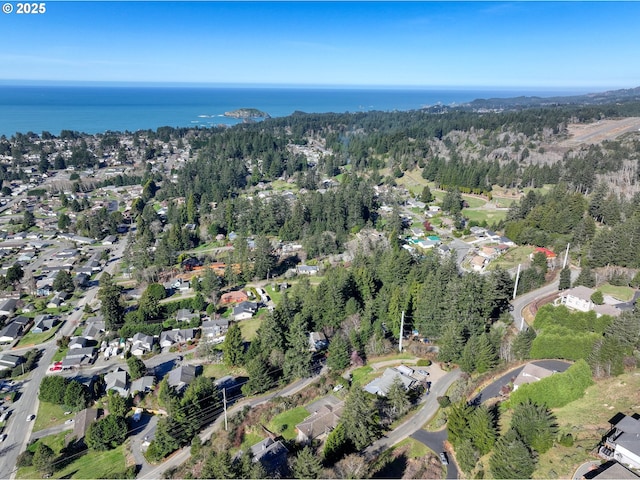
297 86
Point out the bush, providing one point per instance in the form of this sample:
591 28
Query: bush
444 401
25 459
566 440
423 362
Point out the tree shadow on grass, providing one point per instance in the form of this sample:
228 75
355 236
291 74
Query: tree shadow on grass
394 468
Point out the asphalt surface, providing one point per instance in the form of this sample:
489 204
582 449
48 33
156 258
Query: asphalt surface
493 390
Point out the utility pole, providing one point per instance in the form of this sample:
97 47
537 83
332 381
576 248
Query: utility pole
401 332
566 256
515 288
224 400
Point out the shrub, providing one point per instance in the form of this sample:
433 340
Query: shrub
25 459
566 440
423 362
444 401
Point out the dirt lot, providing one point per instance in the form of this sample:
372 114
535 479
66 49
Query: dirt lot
600 131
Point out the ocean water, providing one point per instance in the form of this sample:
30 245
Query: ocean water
93 109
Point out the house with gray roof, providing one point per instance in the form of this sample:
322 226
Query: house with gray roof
117 380
8 306
11 332
8 361
380 386
143 384
181 377
170 337
142 344
622 443
214 328
42 323
272 454
78 342
244 310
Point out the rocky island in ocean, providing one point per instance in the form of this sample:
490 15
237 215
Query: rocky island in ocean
247 114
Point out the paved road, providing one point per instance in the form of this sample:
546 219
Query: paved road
435 441
18 430
523 300
493 390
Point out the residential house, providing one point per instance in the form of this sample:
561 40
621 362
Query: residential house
611 470
181 377
143 384
185 315
319 423
79 356
11 332
531 373
478 263
380 386
214 328
109 240
169 337
272 454
83 419
237 296
622 443
10 361
43 323
117 380
141 344
8 306
78 342
244 310
93 329
317 341
579 298
307 270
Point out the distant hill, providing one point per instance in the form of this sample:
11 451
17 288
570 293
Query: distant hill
612 96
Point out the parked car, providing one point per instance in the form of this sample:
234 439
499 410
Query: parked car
443 458
30 417
3 437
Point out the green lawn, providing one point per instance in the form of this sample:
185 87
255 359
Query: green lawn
219 370
285 423
249 327
60 354
362 375
512 258
49 415
37 338
484 215
621 293
474 202
249 439
416 449
275 295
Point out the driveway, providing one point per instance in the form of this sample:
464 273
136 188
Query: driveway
435 441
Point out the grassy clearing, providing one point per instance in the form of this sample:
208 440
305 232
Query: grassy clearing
362 375
37 338
587 419
275 295
474 202
285 423
621 293
512 258
484 215
249 439
416 449
219 370
250 327
49 415
60 354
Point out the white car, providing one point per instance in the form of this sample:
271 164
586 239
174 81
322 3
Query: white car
69 421
30 417
3 437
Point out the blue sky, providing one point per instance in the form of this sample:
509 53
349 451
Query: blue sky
422 44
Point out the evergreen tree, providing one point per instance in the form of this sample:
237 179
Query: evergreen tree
112 308
482 429
511 458
466 455
43 459
233 346
535 425
259 378
336 445
521 345
565 279
359 418
338 354
306 464
137 368
452 342
458 422
397 399
298 357
586 278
